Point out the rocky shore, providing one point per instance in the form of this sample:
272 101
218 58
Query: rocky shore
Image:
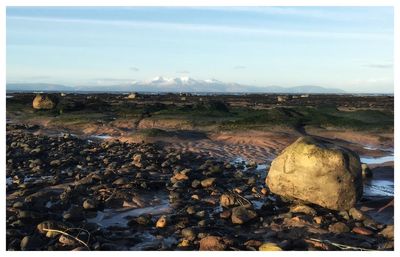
69 193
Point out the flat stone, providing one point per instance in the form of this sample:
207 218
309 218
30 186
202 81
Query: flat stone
339 227
208 182
269 247
388 232
241 215
303 209
161 222
357 214
212 243
362 231
227 200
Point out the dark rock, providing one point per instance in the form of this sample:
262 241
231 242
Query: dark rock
300 208
227 200
225 214
189 234
29 243
366 171
196 183
241 215
357 214
67 240
388 232
208 182
89 204
339 227
74 213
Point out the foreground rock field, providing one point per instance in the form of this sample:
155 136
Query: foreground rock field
69 193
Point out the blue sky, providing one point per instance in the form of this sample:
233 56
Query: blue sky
344 47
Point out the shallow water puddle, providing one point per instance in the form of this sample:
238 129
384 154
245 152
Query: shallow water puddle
102 136
377 160
379 188
158 205
151 242
112 217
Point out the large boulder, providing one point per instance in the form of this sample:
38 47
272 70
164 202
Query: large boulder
318 172
43 102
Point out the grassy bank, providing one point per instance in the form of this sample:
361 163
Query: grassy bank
214 114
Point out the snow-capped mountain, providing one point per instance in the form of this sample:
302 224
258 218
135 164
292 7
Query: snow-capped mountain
185 84
179 84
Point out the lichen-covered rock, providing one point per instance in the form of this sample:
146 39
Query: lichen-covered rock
318 172
43 102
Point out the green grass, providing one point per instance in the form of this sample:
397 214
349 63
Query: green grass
218 115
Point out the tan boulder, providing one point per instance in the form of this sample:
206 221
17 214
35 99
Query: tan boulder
43 102
212 243
318 172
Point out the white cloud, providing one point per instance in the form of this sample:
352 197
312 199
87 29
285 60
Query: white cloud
212 28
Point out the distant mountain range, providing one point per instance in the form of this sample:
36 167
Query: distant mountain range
176 85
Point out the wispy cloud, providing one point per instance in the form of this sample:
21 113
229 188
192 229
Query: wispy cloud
211 28
321 13
379 66
134 69
239 67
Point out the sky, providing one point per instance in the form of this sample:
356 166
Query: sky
350 48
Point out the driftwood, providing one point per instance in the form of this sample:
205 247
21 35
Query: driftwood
69 235
340 246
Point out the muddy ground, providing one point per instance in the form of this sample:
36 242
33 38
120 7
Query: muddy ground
105 184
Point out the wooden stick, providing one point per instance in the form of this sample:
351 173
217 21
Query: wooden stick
66 234
340 246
